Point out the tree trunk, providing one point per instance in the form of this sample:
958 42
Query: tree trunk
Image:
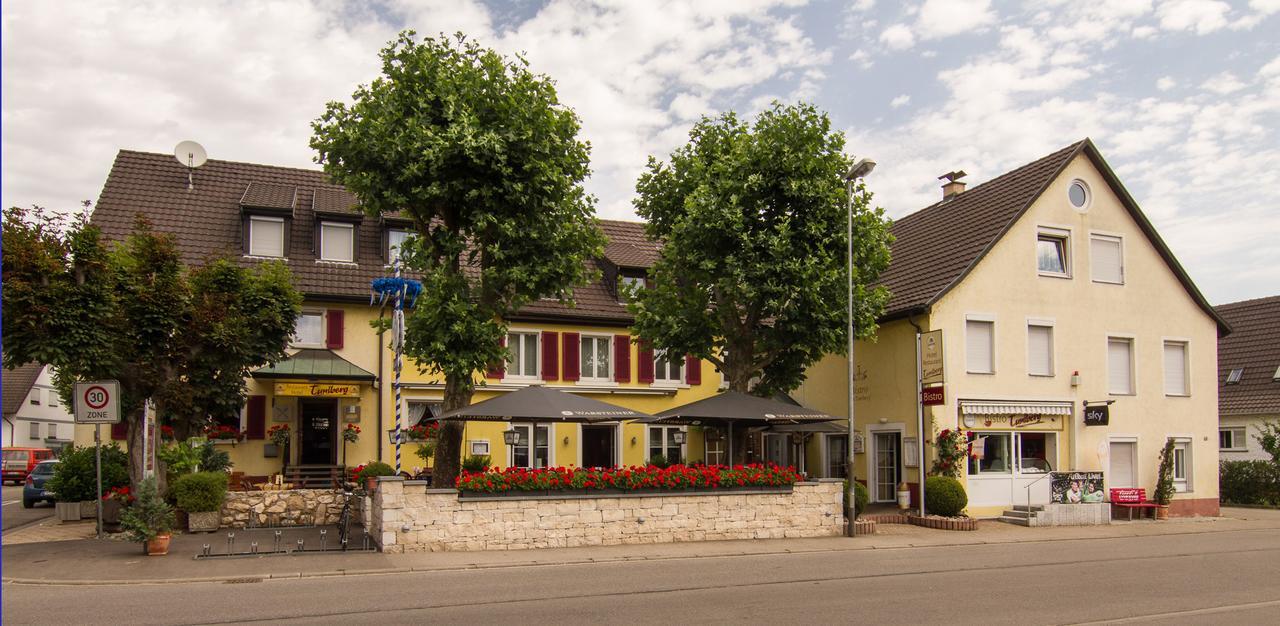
137 455
448 459
739 376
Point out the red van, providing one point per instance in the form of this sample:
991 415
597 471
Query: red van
19 461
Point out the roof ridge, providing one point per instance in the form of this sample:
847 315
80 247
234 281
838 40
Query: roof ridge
231 162
1247 303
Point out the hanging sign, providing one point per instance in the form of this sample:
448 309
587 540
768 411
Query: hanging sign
931 358
932 396
318 390
1097 415
97 402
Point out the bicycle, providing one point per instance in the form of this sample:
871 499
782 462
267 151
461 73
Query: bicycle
349 491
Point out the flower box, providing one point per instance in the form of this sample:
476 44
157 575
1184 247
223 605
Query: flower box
67 511
675 478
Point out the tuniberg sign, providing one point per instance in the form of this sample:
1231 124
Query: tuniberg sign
932 396
318 390
931 358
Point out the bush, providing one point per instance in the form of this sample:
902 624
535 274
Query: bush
476 463
944 496
149 515
214 460
75 478
374 468
1249 482
1164 476
200 492
659 461
861 497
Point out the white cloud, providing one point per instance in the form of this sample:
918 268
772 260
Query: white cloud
1224 83
898 37
1165 83
862 58
1201 16
945 18
900 101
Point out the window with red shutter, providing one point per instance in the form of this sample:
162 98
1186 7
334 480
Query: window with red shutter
622 358
333 329
255 426
693 370
571 347
550 355
120 430
499 369
644 362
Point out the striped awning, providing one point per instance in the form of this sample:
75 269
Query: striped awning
986 407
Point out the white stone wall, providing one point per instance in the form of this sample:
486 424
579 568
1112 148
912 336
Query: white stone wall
291 507
409 517
1091 514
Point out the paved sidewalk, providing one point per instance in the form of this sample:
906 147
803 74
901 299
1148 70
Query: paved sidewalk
50 529
88 561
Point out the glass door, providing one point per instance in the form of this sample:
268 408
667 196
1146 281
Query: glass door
775 449
888 455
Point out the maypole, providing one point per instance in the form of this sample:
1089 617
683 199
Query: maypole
403 292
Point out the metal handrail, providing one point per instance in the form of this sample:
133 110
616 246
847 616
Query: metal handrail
1031 484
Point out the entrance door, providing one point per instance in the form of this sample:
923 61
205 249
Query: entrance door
837 456
597 446
775 449
888 466
318 432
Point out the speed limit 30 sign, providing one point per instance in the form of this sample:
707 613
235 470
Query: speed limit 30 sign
97 402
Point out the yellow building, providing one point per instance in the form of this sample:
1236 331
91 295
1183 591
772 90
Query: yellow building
340 371
1050 289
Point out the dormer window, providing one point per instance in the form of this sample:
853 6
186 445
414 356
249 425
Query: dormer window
337 242
625 282
266 236
395 239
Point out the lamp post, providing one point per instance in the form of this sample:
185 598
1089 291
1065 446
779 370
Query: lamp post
512 437
858 170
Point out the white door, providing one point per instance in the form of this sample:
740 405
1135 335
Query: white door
887 467
1123 454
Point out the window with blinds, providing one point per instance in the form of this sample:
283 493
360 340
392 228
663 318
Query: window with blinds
1123 473
1175 369
1106 258
1039 350
1120 366
980 347
337 242
266 236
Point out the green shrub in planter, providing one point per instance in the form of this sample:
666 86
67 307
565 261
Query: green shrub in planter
861 498
75 477
375 468
944 496
476 463
149 516
201 492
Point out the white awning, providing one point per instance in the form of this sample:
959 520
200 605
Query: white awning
991 407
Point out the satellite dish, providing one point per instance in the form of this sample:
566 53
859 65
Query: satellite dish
191 155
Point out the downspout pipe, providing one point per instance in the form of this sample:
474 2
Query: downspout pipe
378 403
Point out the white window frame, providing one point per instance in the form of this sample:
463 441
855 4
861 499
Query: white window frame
1133 364
508 372
34 431
295 341
987 319
393 251
527 441
1135 468
665 381
1186 366
1119 241
722 439
53 397
1063 237
35 398
53 430
1008 471
608 355
1183 470
1239 438
1053 361
350 229
479 447
684 447
258 252
1088 196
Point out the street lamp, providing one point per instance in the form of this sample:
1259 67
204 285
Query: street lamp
394 436
858 170
512 437
678 437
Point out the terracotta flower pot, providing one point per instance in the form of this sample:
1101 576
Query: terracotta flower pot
159 546
371 484
1162 512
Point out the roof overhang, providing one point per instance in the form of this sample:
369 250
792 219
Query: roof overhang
1004 407
314 365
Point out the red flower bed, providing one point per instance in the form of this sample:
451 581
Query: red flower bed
633 478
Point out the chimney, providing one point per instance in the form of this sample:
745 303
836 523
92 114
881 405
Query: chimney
953 186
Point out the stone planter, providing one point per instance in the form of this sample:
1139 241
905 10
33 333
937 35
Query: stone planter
111 515
67 511
203 521
88 509
944 523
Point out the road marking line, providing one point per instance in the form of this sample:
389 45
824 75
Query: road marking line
1190 612
12 502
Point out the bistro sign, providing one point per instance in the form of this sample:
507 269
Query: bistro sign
1016 422
317 390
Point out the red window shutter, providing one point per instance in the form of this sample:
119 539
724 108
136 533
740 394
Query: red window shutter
644 362
571 348
693 370
622 358
256 418
499 369
333 329
120 430
550 355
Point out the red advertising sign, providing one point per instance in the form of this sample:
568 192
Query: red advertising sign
932 396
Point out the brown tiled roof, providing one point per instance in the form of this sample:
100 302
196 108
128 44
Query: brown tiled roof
270 196
937 246
335 201
207 223
17 383
1254 345
628 246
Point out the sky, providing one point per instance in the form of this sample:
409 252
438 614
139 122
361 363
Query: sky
1182 97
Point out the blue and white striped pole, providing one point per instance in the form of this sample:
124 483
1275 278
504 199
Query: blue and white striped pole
397 322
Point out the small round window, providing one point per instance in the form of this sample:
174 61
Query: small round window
1078 194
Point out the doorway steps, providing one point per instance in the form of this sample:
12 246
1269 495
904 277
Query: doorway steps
1021 515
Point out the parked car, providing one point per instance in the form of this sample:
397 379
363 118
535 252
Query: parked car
33 490
18 462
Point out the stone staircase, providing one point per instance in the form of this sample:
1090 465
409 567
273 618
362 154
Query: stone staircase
1021 515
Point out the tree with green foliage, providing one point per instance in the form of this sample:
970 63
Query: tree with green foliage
751 275
183 339
478 152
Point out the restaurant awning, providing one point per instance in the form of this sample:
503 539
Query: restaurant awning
741 408
994 407
314 364
536 403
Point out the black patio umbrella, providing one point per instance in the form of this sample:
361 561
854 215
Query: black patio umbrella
536 403
728 408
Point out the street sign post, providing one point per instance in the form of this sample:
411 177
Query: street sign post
97 403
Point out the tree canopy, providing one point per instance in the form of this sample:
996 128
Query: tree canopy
477 151
185 339
751 275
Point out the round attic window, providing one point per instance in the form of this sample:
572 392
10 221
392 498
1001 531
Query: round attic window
1078 194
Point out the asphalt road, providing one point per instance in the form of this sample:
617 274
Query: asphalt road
1211 578
14 515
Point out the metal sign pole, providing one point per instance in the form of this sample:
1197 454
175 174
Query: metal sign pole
920 425
97 442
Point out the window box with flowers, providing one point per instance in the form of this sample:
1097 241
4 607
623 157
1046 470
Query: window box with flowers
425 436
555 481
223 433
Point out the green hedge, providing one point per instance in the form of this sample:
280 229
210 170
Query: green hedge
200 492
1249 482
75 478
944 496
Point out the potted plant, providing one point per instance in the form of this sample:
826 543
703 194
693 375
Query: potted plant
1164 481
425 436
369 473
201 495
350 434
150 519
278 435
113 504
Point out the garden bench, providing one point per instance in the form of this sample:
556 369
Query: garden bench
1130 498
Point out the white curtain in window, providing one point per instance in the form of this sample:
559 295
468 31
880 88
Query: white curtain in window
978 346
1120 366
1040 350
1106 259
1175 368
